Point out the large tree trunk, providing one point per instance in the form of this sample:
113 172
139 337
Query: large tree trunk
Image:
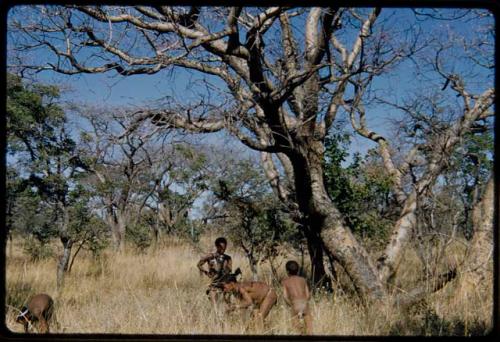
319 277
62 265
117 224
252 261
338 240
121 228
156 234
67 242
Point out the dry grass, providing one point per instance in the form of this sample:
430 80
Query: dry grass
161 292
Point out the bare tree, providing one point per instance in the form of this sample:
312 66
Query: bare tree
288 73
118 165
179 180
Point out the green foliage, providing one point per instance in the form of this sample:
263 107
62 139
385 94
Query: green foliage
255 219
360 190
426 322
32 216
36 127
31 115
469 167
44 182
139 233
85 227
98 238
37 249
263 229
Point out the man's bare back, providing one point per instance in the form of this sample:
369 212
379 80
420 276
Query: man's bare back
296 287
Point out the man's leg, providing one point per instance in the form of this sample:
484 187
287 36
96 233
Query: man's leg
268 303
43 325
266 306
212 293
308 322
214 299
297 326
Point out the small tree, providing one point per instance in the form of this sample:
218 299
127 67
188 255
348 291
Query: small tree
37 136
361 190
86 229
252 217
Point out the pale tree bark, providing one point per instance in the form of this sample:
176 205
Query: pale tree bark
389 262
338 239
67 242
475 108
477 269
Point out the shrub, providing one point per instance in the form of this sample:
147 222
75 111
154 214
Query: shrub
37 250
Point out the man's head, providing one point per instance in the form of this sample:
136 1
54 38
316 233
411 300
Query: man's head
24 317
229 281
220 245
292 267
230 285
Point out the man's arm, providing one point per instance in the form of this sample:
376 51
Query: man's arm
229 265
245 301
202 262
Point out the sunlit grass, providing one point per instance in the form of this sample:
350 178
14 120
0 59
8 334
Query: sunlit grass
161 292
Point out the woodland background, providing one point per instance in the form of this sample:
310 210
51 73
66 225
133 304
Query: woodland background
356 141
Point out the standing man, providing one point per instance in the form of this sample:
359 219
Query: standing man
296 294
219 265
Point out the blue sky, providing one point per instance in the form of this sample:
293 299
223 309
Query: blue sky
111 89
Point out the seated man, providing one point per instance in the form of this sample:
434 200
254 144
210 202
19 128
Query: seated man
256 294
219 265
296 294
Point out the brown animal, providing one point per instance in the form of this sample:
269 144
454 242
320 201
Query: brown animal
257 294
296 294
39 309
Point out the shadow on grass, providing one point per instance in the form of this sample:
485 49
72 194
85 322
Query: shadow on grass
426 322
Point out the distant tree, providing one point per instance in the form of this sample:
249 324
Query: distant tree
134 170
361 190
86 228
251 216
179 180
118 169
46 158
470 167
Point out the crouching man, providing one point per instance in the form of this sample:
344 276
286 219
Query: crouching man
39 309
255 294
296 294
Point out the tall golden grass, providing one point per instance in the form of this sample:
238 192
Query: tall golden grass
161 292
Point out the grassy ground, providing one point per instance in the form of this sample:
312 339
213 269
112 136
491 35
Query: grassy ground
161 292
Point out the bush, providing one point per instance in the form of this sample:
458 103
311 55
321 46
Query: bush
37 250
424 321
140 235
